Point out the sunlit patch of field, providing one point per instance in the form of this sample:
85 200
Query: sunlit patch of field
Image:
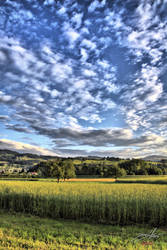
92 180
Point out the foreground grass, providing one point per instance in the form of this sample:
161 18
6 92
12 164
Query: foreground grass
18 231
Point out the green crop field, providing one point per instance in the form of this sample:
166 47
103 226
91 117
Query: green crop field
109 203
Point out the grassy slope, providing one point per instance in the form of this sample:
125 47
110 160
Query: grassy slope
19 231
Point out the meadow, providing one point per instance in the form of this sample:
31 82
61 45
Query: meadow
20 231
103 202
145 179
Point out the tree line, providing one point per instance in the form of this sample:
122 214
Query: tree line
65 169
122 168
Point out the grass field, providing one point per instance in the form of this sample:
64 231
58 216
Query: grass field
18 231
144 179
103 202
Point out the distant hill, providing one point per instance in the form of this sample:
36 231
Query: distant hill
155 158
13 159
6 153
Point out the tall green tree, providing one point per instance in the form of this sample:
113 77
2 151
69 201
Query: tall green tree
57 171
69 169
45 168
60 169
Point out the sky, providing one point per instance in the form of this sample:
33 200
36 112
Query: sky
81 78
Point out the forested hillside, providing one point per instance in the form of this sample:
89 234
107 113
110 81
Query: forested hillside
14 162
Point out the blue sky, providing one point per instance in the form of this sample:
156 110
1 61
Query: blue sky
83 77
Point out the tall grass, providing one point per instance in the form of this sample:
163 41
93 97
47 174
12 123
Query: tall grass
104 203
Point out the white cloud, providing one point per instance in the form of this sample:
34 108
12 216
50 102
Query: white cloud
71 34
88 44
5 98
49 2
104 64
93 6
89 73
24 148
79 84
96 4
77 19
111 87
84 30
73 123
62 10
55 93
61 71
144 20
84 54
95 118
147 90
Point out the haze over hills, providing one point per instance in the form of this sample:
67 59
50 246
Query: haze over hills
154 158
